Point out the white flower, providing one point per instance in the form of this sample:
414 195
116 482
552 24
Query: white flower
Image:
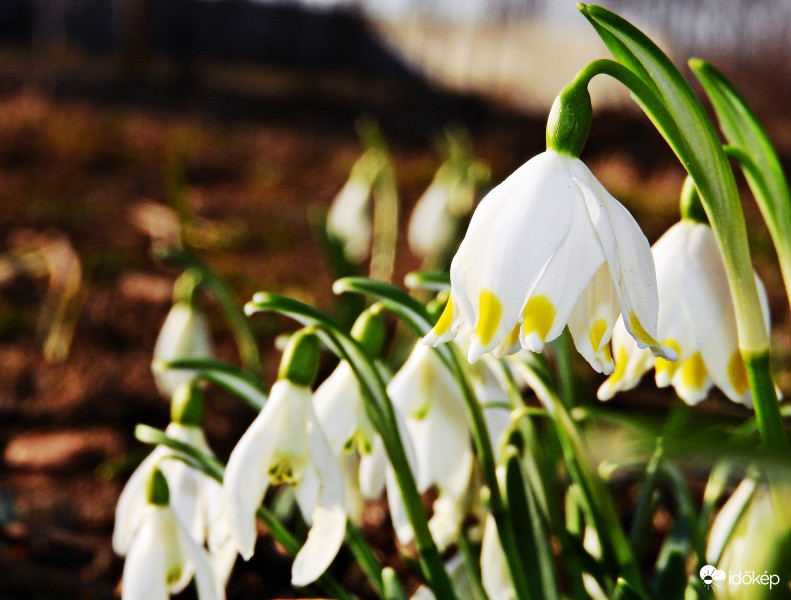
549 247
696 319
428 397
750 533
494 569
286 445
349 219
194 497
435 218
163 557
185 333
340 412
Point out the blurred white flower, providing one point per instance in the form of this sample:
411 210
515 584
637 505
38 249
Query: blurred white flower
549 247
285 444
751 533
185 333
494 568
341 414
194 497
696 319
349 219
434 222
163 557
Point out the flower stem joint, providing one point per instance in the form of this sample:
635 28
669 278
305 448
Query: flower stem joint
570 120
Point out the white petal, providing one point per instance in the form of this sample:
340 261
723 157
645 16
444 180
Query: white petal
725 521
567 274
512 235
133 502
349 219
445 523
209 588
372 471
398 515
337 403
592 320
246 476
431 226
328 520
629 259
494 570
185 332
631 363
442 446
693 285
146 565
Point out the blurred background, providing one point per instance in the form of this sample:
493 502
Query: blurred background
242 114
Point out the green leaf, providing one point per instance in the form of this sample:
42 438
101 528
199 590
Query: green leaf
624 591
438 281
697 146
670 579
191 455
237 381
762 167
534 547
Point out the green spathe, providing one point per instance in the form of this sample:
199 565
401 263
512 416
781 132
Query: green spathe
369 331
300 360
570 120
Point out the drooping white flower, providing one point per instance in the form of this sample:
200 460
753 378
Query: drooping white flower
696 319
341 414
194 497
185 333
349 219
286 445
162 556
549 247
428 397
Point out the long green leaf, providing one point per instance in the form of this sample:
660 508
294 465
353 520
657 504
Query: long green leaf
702 154
763 170
239 382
